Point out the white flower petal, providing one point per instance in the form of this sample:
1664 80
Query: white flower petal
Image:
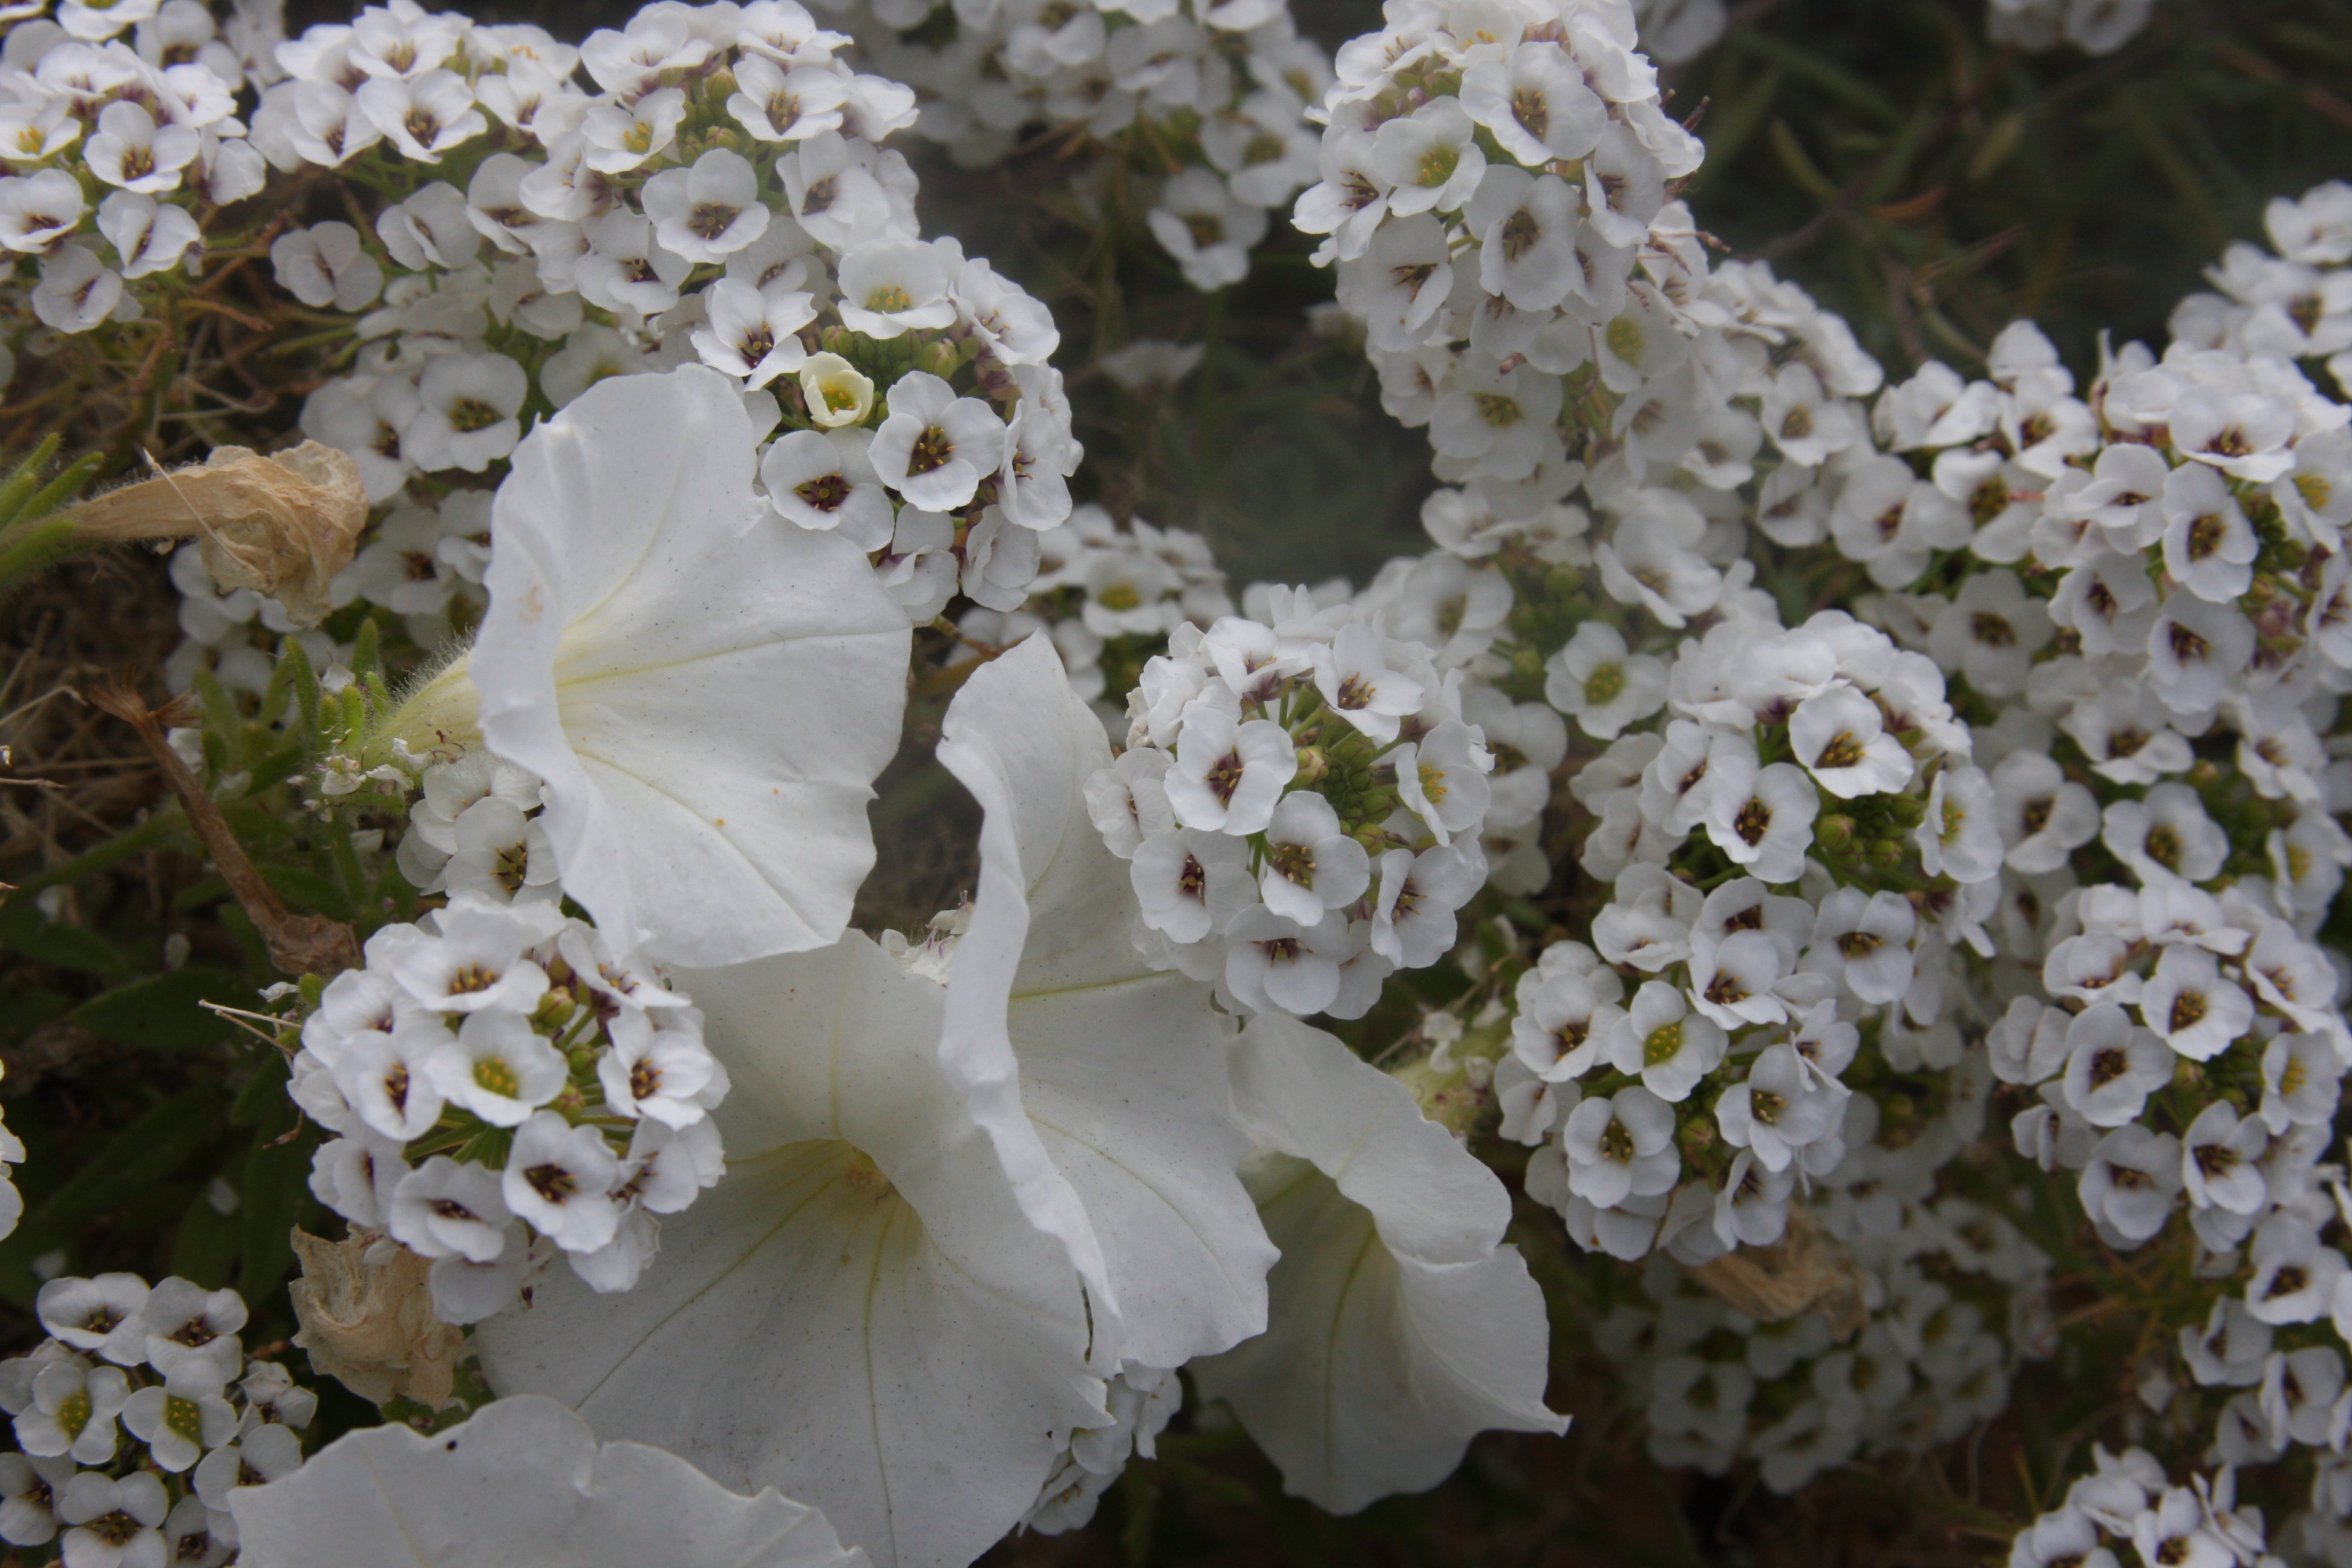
708 695
1400 1326
1101 1081
523 1480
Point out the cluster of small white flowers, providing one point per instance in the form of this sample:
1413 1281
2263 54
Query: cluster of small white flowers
1205 102
719 198
2157 564
497 1073
475 828
2185 586
2094 26
424 562
138 100
1299 803
1809 777
2127 1501
2295 304
1551 317
135 1419
2247 1122
1544 310
1109 594
234 637
1958 1297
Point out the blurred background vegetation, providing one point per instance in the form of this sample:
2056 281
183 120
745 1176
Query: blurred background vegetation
1921 181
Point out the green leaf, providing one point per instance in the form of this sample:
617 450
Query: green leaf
1834 79
151 1148
205 1248
27 478
263 1097
1800 165
121 847
307 889
305 683
1733 125
165 1013
29 934
277 1183
221 716
367 656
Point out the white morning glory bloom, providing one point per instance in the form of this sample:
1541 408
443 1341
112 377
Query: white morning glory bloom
1402 1325
524 1480
960 1146
708 693
860 1313
1101 1080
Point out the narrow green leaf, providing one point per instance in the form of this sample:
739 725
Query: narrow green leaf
1832 78
304 681
142 1155
205 1248
130 841
25 480
262 1102
1800 166
277 1180
1734 123
367 652
25 931
165 1011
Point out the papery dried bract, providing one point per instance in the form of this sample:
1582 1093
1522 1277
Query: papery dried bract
281 525
370 1326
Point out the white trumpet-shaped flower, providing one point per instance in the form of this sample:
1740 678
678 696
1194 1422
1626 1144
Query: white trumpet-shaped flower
708 694
1101 1080
860 1313
523 1482
949 1209
1402 1325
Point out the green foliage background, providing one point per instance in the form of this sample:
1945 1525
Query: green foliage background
1926 183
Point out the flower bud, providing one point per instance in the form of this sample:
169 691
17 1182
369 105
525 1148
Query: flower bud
837 393
1835 833
555 1010
1312 764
